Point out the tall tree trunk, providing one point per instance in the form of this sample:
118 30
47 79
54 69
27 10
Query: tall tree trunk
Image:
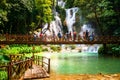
98 22
104 48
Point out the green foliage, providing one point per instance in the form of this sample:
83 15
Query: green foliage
4 58
73 46
29 4
20 49
32 26
44 8
55 48
117 32
59 49
69 3
103 13
45 49
3 13
112 50
3 75
101 50
16 15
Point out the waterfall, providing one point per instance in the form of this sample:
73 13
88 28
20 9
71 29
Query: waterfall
55 26
70 18
88 48
61 3
86 27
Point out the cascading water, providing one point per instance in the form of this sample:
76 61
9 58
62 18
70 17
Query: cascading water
55 26
70 18
61 3
86 27
88 48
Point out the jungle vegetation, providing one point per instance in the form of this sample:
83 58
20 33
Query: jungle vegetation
22 16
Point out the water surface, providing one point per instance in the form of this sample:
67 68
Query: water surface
84 63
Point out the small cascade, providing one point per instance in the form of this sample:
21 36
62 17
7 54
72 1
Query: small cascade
86 27
61 3
88 48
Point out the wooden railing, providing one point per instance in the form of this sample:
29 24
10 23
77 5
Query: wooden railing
43 61
16 67
30 39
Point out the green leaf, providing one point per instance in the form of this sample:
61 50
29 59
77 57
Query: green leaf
4 58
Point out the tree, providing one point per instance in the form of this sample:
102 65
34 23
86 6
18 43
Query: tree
3 14
69 3
20 16
44 8
100 12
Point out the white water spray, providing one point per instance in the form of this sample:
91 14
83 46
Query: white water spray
61 3
86 27
88 48
70 18
55 26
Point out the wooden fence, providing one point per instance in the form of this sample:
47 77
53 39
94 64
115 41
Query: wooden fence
16 67
19 64
43 61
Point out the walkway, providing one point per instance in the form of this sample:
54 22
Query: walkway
37 72
29 39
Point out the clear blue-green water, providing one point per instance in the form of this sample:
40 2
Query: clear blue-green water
84 63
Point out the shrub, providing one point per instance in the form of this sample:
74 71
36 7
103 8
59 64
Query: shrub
15 49
3 75
59 49
45 49
110 50
73 46
55 48
101 50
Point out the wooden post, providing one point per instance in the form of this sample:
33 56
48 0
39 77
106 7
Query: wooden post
48 65
10 71
104 48
42 61
38 60
33 48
